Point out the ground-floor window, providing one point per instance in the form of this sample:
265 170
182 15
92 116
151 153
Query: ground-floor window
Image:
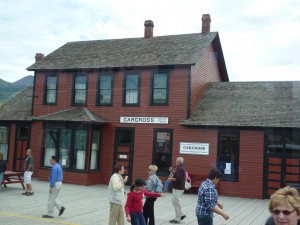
94 164
4 141
70 145
162 156
228 154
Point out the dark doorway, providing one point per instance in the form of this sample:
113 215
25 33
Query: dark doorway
22 143
123 151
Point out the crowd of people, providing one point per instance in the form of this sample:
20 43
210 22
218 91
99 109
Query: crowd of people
138 213
284 204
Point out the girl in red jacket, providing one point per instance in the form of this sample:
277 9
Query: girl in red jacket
134 203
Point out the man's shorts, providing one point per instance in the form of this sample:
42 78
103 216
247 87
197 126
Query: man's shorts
27 177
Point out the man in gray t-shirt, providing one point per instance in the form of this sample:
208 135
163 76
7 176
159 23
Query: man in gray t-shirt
28 173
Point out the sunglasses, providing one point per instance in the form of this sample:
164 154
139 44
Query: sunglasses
149 170
284 212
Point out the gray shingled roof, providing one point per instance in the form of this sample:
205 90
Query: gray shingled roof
252 104
72 115
17 108
184 49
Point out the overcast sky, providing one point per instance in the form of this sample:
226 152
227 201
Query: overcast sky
260 39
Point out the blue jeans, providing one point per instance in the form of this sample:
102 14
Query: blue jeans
1 179
137 218
205 220
167 185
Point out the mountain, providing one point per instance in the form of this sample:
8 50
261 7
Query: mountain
8 90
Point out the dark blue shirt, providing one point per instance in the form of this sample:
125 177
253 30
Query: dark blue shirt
56 174
207 199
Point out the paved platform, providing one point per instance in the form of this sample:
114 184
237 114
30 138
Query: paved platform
88 205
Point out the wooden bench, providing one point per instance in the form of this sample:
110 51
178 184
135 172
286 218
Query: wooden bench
11 177
197 179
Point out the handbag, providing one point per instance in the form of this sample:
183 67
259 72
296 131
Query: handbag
187 185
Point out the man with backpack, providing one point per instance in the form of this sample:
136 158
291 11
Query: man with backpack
178 185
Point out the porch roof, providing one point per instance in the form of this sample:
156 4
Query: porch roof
72 115
18 108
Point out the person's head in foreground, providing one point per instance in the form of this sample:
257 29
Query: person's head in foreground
285 206
138 185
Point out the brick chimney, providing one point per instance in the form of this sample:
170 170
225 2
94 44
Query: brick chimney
39 57
148 28
206 23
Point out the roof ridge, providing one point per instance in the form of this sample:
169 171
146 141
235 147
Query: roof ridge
89 114
55 113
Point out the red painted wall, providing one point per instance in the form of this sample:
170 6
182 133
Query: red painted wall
205 71
11 145
250 183
176 110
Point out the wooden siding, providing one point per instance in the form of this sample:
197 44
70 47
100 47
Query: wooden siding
11 146
177 95
205 71
175 111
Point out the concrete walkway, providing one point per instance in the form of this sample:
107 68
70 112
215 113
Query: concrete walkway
88 205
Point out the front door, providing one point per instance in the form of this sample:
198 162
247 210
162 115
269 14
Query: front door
282 160
123 151
22 143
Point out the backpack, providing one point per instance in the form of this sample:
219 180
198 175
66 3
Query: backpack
158 187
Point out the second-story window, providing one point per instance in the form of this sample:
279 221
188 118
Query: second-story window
159 90
105 90
131 89
51 90
80 89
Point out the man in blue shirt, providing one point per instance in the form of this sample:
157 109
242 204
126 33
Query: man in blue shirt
55 179
208 199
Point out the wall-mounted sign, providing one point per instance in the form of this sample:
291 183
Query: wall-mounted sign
123 156
227 168
157 120
194 148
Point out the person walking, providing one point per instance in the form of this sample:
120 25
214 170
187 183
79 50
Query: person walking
178 184
116 196
134 203
208 199
151 182
55 180
28 173
2 169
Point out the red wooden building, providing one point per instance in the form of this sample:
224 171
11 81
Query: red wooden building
147 101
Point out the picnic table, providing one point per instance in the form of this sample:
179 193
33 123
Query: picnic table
11 177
